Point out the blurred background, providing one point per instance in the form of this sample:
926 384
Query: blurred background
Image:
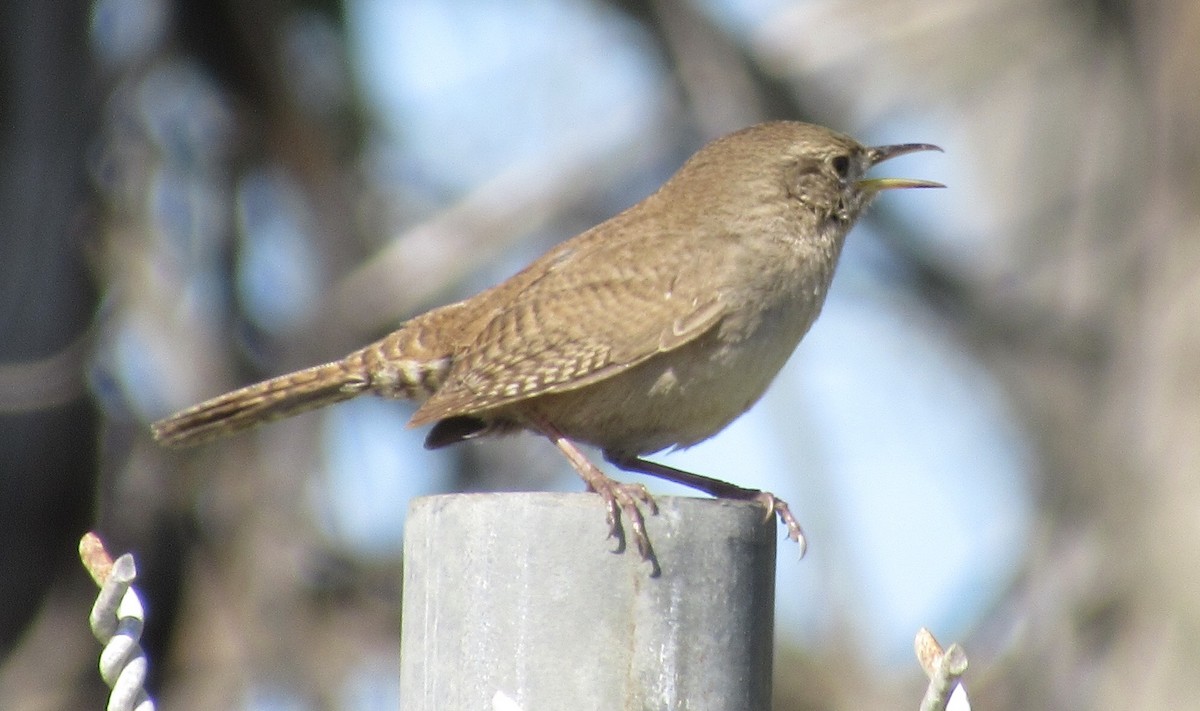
993 430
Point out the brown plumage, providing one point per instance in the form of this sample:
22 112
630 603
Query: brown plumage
654 329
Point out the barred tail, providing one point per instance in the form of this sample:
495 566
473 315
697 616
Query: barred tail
272 399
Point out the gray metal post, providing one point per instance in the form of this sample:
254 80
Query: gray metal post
520 598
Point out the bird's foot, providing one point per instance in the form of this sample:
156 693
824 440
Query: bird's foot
717 488
619 498
777 506
622 500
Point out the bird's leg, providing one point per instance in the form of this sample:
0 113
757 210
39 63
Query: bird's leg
717 488
618 497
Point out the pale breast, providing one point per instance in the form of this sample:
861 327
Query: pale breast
684 396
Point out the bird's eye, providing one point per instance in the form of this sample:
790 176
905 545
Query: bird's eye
841 165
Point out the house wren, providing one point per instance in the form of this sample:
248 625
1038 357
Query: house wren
654 329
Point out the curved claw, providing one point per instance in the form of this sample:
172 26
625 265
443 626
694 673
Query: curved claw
621 499
618 497
718 488
775 505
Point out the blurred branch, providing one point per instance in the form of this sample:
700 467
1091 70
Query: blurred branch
423 261
713 71
53 380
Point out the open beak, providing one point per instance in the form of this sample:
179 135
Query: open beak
879 154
